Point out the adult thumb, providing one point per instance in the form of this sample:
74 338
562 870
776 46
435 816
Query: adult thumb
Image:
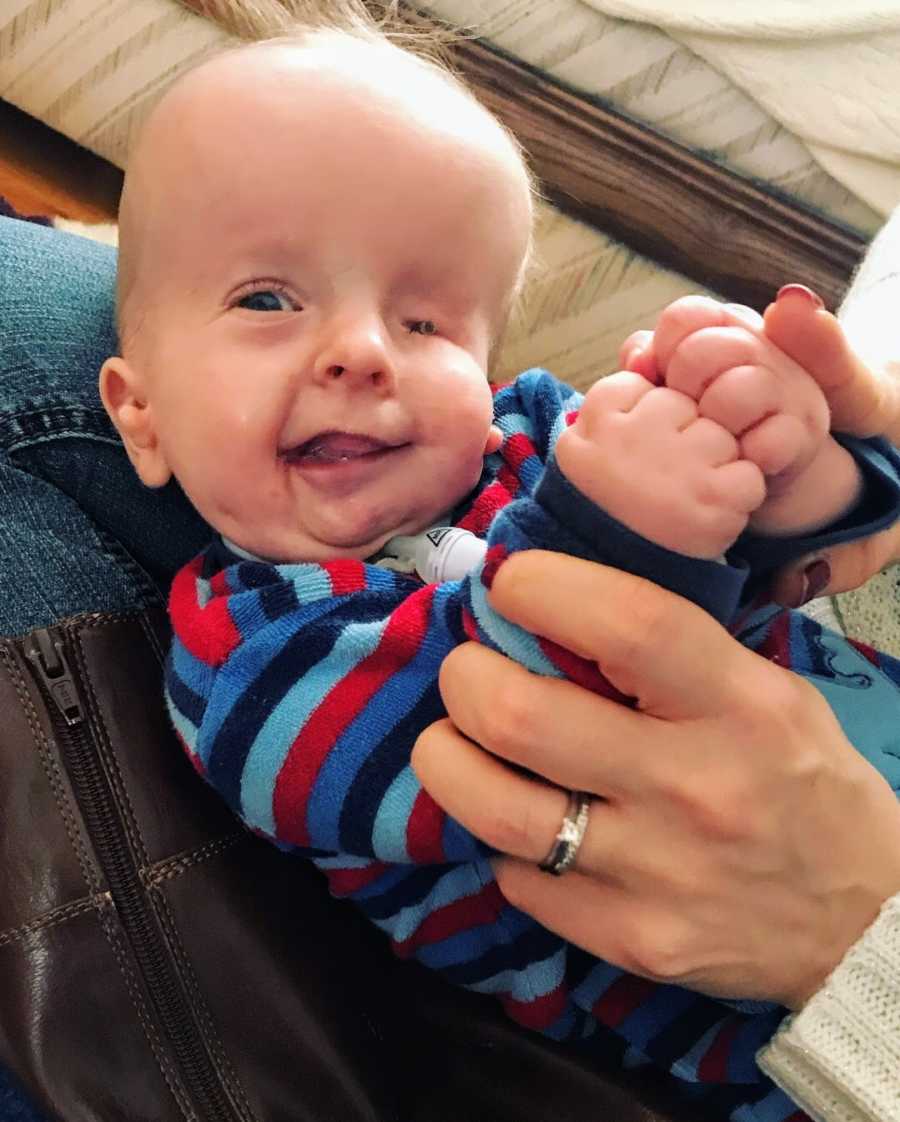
837 569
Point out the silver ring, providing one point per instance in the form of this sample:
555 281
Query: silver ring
571 834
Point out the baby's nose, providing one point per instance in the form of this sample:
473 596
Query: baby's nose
356 373
357 355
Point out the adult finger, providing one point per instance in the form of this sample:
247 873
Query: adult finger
588 912
511 812
837 569
498 703
519 815
863 401
676 660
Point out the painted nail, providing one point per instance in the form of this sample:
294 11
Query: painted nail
801 290
816 576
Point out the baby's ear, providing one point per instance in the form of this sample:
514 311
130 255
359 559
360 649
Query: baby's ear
122 392
494 440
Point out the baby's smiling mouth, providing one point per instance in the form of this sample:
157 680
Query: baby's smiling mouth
337 448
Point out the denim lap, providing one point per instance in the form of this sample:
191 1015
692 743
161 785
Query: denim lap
78 531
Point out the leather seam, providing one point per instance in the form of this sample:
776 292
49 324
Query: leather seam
103 744
54 918
210 1035
166 1068
168 870
164 914
172 867
152 639
103 912
89 871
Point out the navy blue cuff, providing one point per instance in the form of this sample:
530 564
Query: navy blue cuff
878 508
713 585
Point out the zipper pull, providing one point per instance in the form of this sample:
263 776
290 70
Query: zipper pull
46 654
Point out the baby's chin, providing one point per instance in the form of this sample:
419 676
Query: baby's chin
345 543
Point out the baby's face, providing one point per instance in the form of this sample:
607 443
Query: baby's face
323 275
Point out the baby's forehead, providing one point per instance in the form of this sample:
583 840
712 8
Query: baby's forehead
249 122
375 74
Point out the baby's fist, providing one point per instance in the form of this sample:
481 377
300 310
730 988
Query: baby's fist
643 454
722 359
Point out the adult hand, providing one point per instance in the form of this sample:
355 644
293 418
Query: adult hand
864 401
734 847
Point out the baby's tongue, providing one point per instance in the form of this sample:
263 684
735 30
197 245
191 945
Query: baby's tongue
338 446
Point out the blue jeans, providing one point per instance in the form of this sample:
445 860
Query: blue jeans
78 531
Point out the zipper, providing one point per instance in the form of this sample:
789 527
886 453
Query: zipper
46 653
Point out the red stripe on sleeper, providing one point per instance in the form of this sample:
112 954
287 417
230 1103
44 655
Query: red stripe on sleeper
581 671
516 450
399 643
209 633
508 482
344 882
621 999
713 1068
539 1013
218 583
346 576
424 831
868 652
492 499
461 915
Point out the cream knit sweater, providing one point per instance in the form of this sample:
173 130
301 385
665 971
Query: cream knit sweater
839 1057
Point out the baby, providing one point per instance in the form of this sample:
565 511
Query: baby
321 241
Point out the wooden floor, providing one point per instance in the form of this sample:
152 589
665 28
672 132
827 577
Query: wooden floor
42 172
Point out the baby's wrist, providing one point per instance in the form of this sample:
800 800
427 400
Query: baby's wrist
827 489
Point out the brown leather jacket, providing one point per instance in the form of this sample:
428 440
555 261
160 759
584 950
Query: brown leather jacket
159 962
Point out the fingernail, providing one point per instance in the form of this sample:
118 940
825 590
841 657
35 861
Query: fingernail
801 290
817 576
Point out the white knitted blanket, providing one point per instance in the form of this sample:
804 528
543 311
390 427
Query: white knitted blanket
828 70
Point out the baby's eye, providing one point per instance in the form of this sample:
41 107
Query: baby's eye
266 300
422 327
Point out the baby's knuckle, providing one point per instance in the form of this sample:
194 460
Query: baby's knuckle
687 312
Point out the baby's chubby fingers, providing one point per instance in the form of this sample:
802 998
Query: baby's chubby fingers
741 485
690 314
616 393
774 444
711 442
707 353
666 408
636 355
